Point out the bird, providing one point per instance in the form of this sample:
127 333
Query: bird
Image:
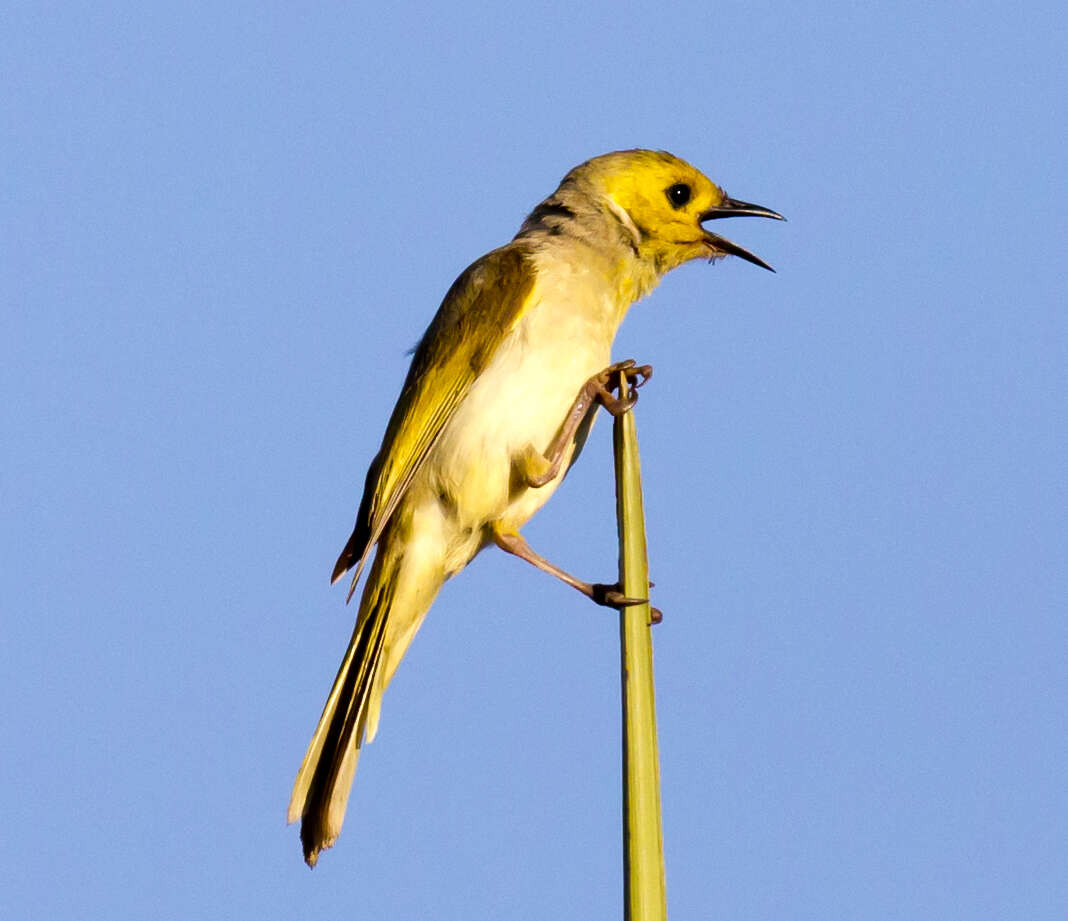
497 403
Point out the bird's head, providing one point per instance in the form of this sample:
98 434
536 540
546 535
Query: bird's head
662 204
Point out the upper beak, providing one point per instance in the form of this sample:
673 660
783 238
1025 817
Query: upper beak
731 208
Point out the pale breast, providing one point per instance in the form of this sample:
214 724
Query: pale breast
523 397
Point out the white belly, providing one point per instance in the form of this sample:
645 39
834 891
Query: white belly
522 398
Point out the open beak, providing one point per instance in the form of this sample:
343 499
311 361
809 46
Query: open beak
731 208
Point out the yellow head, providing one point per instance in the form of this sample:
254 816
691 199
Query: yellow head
656 202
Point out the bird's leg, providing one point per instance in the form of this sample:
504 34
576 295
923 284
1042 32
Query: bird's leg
609 596
536 468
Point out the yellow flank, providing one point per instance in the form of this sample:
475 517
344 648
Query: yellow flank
488 396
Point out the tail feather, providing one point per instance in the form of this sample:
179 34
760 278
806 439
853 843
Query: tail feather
321 790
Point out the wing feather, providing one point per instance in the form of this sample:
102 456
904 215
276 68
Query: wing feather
480 309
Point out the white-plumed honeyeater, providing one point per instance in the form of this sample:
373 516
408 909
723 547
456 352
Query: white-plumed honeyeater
499 399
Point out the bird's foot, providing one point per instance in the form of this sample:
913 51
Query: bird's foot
611 596
607 380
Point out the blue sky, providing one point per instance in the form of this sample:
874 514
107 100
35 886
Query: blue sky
224 225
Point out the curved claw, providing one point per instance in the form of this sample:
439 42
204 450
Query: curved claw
616 406
607 381
639 376
636 374
610 596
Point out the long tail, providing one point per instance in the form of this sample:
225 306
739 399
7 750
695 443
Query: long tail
321 790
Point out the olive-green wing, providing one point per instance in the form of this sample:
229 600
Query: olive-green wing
480 309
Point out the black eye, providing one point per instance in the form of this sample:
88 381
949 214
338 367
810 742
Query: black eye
678 194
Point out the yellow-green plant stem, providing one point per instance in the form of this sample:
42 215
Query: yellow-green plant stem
644 893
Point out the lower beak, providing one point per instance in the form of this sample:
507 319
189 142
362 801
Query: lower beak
731 208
